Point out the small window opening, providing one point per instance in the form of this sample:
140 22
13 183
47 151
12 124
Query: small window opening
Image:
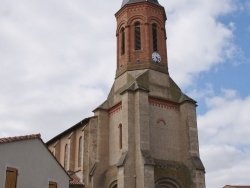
120 136
137 36
122 41
80 149
154 36
66 155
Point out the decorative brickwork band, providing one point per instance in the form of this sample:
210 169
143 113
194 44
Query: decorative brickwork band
115 109
163 104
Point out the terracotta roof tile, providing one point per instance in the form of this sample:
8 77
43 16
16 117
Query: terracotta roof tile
19 138
75 180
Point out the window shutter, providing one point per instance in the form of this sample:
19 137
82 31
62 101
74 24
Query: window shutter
52 184
11 178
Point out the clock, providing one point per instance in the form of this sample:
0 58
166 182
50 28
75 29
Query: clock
156 57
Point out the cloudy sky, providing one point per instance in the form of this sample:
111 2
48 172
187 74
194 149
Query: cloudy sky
58 58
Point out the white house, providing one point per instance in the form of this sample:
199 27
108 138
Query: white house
25 162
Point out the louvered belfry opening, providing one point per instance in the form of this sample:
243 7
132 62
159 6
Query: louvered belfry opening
154 35
122 41
137 36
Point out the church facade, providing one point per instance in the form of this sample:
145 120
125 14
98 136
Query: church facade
145 134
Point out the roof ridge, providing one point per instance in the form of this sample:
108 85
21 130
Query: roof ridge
19 138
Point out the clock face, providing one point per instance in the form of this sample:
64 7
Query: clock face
156 57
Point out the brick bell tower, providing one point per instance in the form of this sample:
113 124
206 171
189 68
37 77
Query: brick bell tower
141 36
146 132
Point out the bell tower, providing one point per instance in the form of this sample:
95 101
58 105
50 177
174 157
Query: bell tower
141 36
146 134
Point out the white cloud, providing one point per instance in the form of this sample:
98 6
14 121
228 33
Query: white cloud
235 173
54 59
225 142
197 40
198 93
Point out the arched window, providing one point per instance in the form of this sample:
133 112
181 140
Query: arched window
113 185
66 156
120 136
154 37
167 183
122 41
80 149
137 36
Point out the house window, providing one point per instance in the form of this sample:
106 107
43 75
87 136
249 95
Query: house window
120 136
122 41
80 148
154 37
52 184
66 155
11 178
137 36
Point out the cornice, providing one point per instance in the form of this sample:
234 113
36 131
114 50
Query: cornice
140 7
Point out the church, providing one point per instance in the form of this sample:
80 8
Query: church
145 134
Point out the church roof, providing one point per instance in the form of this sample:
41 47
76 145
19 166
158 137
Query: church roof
137 1
71 129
